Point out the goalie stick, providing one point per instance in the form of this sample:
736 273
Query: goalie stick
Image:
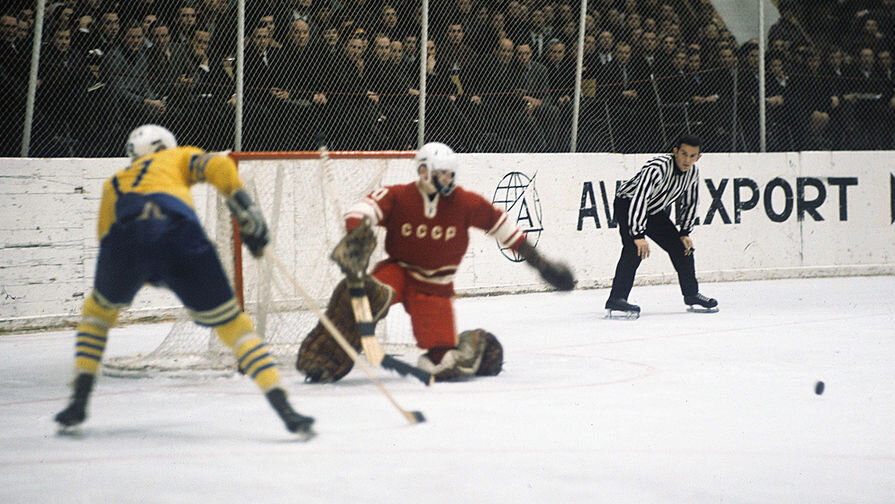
411 416
360 304
355 270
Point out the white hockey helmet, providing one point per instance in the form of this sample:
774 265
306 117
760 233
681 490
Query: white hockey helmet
147 139
437 157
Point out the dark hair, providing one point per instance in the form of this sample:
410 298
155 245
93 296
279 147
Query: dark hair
692 140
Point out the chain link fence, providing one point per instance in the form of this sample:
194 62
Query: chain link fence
497 76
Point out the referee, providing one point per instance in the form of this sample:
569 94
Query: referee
640 205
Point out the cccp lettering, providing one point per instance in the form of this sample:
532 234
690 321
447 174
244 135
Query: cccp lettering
422 231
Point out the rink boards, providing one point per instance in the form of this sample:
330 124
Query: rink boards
760 216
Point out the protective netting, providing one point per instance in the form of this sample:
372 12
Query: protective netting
500 75
303 200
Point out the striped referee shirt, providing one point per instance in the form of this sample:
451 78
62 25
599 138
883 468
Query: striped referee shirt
656 186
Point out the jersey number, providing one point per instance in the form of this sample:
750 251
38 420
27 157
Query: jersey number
142 172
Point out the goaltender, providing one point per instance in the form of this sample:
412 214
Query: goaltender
427 226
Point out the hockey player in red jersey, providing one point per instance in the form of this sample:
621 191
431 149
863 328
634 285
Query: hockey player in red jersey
427 225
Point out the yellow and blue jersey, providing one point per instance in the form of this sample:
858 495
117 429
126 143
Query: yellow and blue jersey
165 177
149 233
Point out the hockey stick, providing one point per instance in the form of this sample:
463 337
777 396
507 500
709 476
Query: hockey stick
411 416
360 303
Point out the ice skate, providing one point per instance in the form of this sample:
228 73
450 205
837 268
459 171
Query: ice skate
618 308
701 304
74 415
295 422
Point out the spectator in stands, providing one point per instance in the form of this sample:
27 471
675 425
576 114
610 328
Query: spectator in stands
666 54
455 54
186 23
305 87
200 100
626 109
884 14
646 61
269 20
443 119
390 91
62 78
302 10
812 110
727 81
780 98
704 90
561 72
102 41
218 18
533 86
265 95
497 106
147 24
870 36
884 61
353 108
674 87
411 52
388 23
127 70
866 98
605 47
330 42
162 69
538 34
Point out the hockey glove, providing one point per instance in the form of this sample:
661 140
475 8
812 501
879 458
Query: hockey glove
252 228
556 274
353 252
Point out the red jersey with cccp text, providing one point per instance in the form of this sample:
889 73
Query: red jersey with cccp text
428 236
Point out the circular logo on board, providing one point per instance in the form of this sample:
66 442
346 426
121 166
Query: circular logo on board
517 195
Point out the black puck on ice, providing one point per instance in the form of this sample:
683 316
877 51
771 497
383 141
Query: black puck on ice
819 388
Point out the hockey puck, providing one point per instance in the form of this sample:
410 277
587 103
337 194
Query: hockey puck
819 388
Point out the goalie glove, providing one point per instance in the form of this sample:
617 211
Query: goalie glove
252 227
353 252
556 274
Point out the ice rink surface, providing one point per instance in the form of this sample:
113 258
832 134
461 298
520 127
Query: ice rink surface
675 407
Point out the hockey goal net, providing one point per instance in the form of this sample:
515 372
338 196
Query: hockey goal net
303 196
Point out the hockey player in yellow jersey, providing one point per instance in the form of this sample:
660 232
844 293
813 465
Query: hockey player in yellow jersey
149 233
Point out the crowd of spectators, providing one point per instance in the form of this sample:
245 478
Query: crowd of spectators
500 75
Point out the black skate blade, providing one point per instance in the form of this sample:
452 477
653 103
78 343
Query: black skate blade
622 315
700 309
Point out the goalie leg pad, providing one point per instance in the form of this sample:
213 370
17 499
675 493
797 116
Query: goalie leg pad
478 353
320 358
492 357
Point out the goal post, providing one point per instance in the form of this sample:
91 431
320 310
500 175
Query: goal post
303 196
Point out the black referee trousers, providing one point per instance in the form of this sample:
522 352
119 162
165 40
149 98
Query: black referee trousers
661 230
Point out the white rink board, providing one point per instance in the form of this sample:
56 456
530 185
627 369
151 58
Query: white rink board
48 218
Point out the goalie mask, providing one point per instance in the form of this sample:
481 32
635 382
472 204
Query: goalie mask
440 162
147 139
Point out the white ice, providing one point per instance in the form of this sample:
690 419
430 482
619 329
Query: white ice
675 407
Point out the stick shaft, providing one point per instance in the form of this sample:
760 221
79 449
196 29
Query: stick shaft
336 334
